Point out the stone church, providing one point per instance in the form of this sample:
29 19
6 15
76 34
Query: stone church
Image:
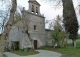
35 23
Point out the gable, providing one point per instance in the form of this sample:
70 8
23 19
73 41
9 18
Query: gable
35 2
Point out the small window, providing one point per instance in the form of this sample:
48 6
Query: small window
34 27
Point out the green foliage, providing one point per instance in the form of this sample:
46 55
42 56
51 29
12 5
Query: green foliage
54 35
73 36
57 28
17 17
62 34
46 48
58 34
70 19
59 37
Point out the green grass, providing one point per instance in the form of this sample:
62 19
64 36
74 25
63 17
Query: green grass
4 55
22 53
46 48
69 52
78 43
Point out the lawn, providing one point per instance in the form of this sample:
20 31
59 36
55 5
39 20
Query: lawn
22 53
46 48
78 43
70 52
67 52
4 55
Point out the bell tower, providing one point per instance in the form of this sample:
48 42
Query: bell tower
34 7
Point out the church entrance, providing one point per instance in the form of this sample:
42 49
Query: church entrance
35 44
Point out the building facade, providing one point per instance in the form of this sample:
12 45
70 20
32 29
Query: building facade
34 22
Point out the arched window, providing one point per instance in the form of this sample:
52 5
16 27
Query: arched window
37 10
32 8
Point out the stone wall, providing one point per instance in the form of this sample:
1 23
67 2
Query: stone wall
17 31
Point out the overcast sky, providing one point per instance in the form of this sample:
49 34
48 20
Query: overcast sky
48 11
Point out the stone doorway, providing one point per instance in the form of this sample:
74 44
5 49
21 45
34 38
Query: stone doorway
35 44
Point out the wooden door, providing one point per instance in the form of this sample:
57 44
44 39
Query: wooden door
35 44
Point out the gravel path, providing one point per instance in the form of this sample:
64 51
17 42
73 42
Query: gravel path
43 53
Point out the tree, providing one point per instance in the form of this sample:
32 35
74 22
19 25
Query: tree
54 36
58 34
17 17
8 25
3 18
11 20
62 35
69 17
70 20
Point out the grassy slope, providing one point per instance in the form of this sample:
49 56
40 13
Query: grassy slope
69 52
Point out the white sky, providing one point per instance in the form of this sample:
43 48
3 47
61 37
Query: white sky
48 11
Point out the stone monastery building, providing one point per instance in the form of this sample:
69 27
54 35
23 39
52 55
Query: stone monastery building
35 23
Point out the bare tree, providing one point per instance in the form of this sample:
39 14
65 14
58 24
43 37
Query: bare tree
3 18
8 25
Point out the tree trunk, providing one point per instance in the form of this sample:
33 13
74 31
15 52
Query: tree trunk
74 43
53 44
9 24
29 36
